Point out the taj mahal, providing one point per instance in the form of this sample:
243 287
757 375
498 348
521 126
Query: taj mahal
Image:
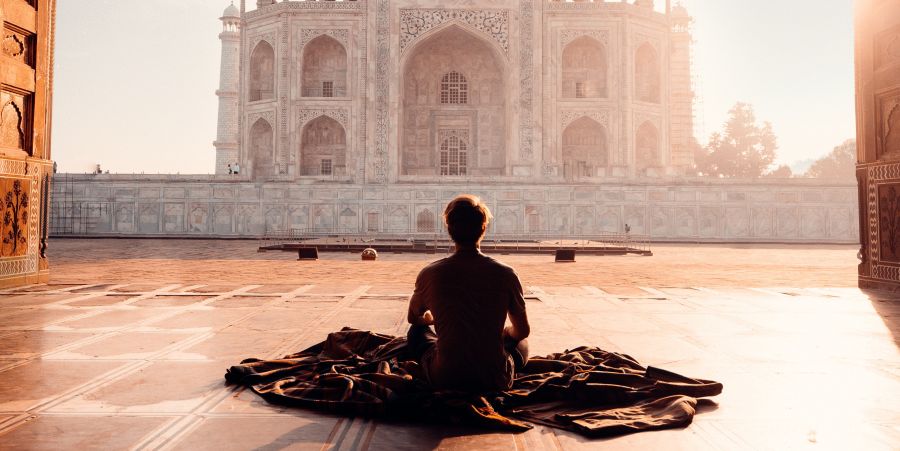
569 118
467 91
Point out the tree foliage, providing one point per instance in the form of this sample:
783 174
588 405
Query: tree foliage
839 164
781 172
742 149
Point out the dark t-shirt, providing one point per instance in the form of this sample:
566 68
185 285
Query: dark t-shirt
469 295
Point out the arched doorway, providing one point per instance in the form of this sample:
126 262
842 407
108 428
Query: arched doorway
584 148
453 84
262 72
647 147
324 68
584 68
323 150
646 74
262 152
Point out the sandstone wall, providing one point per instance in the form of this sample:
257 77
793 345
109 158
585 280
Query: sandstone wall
684 210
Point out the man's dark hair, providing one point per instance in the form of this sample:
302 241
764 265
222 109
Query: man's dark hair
467 217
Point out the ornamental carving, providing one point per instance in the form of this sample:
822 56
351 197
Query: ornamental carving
382 88
269 117
12 121
461 134
641 118
15 46
14 211
640 39
567 36
269 37
340 35
887 48
326 5
492 23
339 114
887 125
526 80
602 117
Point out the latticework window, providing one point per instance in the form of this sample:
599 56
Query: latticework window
453 156
579 90
327 89
454 89
326 168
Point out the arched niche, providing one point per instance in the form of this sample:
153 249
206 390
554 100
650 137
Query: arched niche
446 63
584 148
647 74
647 152
584 69
323 148
262 149
262 72
324 68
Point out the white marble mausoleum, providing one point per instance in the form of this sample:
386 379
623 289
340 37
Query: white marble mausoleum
455 92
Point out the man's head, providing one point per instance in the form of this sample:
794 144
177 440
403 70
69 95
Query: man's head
467 217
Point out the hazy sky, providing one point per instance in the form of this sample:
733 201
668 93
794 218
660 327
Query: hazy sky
135 80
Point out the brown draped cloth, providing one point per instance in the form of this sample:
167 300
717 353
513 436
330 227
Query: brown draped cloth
586 390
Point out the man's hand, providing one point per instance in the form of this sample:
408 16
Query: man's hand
426 319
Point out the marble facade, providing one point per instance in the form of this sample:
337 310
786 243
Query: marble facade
410 91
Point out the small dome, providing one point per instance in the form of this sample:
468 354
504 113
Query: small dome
231 11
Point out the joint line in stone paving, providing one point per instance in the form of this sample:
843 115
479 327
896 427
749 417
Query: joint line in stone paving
168 436
117 373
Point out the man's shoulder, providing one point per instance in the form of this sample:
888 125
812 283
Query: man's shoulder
433 266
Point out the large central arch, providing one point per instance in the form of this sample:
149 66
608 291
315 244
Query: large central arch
453 83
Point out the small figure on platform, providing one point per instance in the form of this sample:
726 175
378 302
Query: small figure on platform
230 170
236 168
467 297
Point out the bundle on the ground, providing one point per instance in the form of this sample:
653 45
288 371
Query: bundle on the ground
587 390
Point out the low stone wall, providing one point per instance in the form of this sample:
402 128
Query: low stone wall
680 210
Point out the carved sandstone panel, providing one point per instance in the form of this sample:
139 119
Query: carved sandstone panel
13 121
17 44
887 48
14 212
887 125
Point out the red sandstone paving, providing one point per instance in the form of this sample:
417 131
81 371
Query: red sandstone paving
230 262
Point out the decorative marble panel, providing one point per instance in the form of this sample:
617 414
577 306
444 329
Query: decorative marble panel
569 35
308 34
339 114
526 80
569 116
493 23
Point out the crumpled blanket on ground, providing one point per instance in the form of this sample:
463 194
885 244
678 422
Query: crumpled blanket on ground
587 390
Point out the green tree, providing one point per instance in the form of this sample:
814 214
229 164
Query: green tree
839 164
742 149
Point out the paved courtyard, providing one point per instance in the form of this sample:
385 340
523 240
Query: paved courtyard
126 348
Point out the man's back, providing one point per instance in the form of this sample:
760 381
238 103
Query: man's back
469 295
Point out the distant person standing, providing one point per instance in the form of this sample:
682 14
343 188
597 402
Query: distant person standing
230 170
237 168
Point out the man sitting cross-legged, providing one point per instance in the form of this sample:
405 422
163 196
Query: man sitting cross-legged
467 298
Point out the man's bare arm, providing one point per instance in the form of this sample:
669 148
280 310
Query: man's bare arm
418 314
520 329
